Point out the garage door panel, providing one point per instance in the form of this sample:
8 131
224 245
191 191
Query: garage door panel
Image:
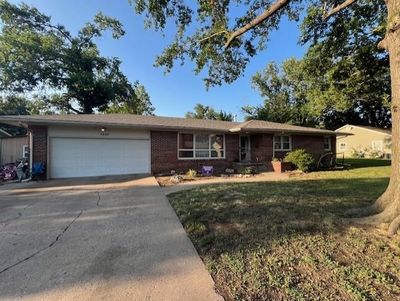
72 157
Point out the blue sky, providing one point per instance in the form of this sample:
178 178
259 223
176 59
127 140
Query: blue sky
175 93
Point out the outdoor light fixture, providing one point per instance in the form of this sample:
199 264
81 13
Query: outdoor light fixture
103 131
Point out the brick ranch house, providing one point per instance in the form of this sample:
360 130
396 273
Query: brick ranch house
114 144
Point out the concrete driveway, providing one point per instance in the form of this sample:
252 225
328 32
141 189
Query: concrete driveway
96 241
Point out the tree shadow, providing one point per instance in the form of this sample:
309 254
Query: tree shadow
278 237
364 163
247 215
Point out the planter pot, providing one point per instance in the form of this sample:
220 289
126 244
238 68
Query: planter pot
280 167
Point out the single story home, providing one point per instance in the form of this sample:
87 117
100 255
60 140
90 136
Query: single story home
114 144
364 139
12 148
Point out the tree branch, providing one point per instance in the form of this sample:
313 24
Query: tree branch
213 35
74 110
62 32
336 9
258 20
383 44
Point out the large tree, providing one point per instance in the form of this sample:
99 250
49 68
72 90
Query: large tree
324 89
18 105
206 112
346 76
37 55
139 103
222 39
284 91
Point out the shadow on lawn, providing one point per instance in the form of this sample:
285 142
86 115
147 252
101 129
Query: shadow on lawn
362 163
231 217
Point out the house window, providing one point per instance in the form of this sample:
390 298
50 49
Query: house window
282 143
377 145
25 151
342 146
201 146
327 143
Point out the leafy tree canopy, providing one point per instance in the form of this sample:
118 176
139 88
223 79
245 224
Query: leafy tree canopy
139 103
18 105
207 112
37 55
221 37
15 105
343 77
204 31
283 92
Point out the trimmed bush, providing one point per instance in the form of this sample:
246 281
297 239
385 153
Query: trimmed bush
301 159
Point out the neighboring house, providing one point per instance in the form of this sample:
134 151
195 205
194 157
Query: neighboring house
12 148
113 144
364 138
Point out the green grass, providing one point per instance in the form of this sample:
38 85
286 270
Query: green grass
288 241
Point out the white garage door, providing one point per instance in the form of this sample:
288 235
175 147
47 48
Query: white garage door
74 157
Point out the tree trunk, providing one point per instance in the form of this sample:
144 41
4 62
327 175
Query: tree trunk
87 107
387 207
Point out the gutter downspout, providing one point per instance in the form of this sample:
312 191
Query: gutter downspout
30 135
30 151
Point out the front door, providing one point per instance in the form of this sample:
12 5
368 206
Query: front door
245 149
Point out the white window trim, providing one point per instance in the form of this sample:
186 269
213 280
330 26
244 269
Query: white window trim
340 146
25 151
200 149
330 143
240 146
283 149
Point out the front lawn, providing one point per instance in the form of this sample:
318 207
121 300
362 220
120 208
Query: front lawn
358 163
287 241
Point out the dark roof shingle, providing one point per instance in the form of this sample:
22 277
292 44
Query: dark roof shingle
157 122
260 126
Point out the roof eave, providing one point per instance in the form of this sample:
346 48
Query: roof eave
26 124
281 131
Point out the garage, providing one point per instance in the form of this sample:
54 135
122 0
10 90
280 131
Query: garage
119 153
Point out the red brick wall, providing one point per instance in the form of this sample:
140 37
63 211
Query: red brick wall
261 147
312 144
39 143
164 154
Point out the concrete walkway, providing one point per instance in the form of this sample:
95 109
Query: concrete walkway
96 241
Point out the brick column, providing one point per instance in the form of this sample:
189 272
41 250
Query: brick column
39 144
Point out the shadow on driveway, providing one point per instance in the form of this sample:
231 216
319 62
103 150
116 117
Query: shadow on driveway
60 241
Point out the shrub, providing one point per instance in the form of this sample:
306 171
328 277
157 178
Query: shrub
249 170
191 173
359 153
375 154
301 159
366 152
